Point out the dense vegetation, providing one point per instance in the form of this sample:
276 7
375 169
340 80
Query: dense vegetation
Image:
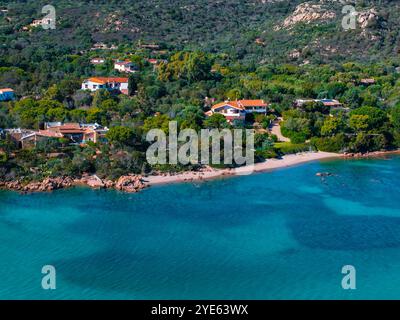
211 53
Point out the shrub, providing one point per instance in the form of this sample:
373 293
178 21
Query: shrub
289 147
261 155
298 137
330 144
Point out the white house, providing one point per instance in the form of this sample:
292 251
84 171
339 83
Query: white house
237 110
41 22
125 66
7 94
97 61
108 83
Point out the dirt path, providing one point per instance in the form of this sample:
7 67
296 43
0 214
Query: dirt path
276 130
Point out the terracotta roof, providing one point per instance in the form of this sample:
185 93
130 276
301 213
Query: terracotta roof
6 90
49 133
241 104
104 80
233 104
89 130
68 128
253 103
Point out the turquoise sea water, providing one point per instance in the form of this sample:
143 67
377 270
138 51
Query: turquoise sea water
280 235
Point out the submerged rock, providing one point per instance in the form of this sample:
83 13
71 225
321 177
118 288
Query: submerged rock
324 174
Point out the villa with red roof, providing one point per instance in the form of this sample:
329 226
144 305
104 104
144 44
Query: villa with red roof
76 133
237 110
108 83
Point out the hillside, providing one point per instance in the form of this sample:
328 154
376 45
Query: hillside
254 30
336 90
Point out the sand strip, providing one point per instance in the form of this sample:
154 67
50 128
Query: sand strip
209 173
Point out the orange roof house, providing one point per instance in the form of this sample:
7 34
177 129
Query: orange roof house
49 134
105 80
78 133
117 84
236 110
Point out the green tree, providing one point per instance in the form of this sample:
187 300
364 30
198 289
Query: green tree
191 117
216 121
191 66
359 122
157 122
121 136
99 97
331 126
375 117
234 94
395 117
133 83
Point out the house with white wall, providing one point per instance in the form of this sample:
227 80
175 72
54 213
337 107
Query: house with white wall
109 83
125 66
237 110
96 61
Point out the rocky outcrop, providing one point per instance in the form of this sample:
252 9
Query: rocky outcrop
92 181
130 183
366 18
307 12
324 174
48 184
368 154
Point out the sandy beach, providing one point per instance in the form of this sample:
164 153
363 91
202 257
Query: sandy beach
210 173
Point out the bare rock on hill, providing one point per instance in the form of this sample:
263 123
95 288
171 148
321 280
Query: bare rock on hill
307 12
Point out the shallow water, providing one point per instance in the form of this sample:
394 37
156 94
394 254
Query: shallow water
280 235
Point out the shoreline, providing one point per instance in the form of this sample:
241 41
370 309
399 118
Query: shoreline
210 173
135 183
